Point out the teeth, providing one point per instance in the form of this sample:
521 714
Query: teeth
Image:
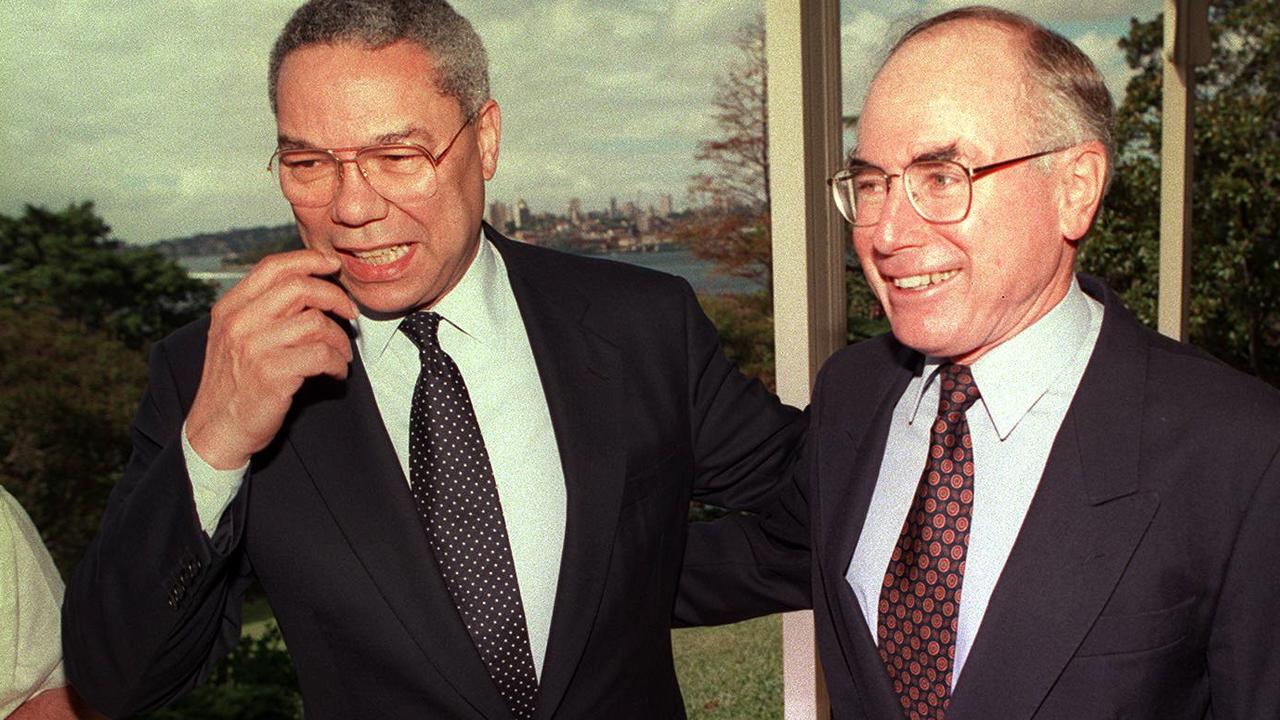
382 256
919 281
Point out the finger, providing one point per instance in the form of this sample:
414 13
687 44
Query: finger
310 327
275 272
293 296
289 367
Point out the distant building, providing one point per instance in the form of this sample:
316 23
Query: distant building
523 216
664 206
575 211
613 208
499 215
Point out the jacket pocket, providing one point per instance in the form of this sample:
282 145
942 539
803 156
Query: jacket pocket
1136 632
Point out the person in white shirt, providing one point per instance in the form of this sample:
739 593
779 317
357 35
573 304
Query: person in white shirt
32 683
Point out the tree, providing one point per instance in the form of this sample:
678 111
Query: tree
66 397
75 310
731 226
67 262
1235 267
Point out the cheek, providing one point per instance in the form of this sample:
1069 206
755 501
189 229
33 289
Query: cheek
862 242
310 227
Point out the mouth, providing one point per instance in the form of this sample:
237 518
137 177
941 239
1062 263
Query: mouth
380 256
920 282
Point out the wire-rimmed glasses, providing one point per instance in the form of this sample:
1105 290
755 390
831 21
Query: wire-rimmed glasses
309 177
940 191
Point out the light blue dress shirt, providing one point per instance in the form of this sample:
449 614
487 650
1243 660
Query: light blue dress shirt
1027 383
484 333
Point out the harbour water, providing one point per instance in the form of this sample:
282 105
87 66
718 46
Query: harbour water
701 274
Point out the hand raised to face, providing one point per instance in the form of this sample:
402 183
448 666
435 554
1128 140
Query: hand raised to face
267 335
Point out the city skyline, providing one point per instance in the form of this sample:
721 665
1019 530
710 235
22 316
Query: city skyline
157 111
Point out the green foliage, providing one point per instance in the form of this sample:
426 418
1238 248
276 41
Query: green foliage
66 398
75 309
732 671
745 324
866 316
66 261
1235 265
256 681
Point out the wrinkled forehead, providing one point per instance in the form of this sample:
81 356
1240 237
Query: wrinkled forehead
962 84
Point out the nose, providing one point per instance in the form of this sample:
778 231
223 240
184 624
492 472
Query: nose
355 202
899 225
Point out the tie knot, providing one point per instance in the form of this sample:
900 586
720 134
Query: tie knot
422 329
959 391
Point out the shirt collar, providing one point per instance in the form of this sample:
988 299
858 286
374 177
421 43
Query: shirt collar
469 307
1014 375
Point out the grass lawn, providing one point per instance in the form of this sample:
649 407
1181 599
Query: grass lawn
733 671
256 618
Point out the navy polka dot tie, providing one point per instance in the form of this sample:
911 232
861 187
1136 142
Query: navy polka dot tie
457 498
920 599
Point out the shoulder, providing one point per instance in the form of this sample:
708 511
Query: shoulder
880 355
1183 377
1190 400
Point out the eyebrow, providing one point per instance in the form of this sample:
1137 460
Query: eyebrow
941 152
286 142
944 152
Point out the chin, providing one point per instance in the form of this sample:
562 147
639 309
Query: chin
382 302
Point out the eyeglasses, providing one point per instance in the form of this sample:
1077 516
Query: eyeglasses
939 190
396 171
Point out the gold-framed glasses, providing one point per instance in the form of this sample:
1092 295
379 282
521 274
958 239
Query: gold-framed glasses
940 191
309 177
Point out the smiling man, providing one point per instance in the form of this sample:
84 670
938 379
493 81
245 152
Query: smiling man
459 467
1022 503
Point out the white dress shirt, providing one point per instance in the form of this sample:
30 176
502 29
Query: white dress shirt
1027 383
485 335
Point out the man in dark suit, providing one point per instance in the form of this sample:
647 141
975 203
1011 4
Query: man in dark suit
461 472
1022 504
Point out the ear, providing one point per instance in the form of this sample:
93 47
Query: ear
488 137
1084 174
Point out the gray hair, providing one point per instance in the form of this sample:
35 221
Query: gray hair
461 63
1074 104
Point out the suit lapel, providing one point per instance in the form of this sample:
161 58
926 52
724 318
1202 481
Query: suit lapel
340 438
849 459
579 371
1083 525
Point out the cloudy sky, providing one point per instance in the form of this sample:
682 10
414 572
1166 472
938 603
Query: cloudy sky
156 109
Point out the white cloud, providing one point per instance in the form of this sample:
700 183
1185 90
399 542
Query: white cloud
1107 55
867 30
1058 11
157 109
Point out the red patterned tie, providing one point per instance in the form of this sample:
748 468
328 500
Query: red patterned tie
920 598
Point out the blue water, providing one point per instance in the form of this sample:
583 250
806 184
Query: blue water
700 273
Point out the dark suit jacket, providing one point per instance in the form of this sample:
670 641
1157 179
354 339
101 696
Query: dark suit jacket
647 414
1143 581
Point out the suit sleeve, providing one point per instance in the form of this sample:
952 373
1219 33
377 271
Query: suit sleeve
154 602
746 449
1244 641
